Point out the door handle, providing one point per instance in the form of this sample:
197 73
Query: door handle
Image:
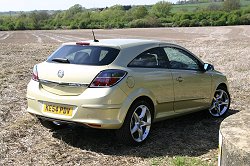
180 79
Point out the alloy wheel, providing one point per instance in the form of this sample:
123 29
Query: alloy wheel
220 103
140 123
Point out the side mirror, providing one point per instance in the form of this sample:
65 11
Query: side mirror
208 67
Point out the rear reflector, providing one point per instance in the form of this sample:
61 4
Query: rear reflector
108 78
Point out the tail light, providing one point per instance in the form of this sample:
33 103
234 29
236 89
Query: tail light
108 78
35 74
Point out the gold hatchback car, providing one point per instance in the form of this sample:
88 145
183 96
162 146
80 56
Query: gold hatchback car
123 84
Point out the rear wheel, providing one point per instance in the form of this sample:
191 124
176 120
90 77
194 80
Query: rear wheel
221 102
52 125
137 124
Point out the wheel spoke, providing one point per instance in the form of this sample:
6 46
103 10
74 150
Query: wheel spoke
134 129
140 133
224 103
212 107
221 94
136 117
143 123
143 112
218 109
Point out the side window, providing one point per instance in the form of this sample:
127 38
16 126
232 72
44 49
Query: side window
103 54
180 59
153 58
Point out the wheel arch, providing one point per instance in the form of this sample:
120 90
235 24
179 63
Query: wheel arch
146 99
139 94
124 132
218 80
224 85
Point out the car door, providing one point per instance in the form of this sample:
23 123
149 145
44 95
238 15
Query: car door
151 67
192 85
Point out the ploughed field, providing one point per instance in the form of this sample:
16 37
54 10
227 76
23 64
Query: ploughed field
192 139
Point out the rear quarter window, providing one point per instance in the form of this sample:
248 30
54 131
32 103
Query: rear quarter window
85 55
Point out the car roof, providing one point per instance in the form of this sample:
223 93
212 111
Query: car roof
119 43
135 47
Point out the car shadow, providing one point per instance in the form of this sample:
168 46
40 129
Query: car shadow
190 135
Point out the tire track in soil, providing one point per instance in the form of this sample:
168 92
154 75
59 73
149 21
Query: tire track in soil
67 37
58 37
76 38
19 37
5 35
39 39
52 38
245 31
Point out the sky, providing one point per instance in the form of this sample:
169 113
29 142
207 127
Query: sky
28 5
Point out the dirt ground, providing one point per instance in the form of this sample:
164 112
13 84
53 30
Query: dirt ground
23 141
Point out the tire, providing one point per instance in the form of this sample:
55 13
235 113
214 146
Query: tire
137 124
51 125
221 102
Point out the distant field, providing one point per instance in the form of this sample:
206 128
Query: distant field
192 7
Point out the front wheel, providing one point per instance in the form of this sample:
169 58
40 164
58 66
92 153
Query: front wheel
221 102
137 124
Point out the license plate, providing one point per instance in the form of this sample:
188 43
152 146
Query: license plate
60 110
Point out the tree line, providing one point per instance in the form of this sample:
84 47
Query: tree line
157 15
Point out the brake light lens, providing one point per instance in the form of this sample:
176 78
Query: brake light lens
35 74
83 43
108 78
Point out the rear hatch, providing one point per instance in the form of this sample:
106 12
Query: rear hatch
66 79
71 68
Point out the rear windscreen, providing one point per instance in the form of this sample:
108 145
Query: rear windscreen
85 55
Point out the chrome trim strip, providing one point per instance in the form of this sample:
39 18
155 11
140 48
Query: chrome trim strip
63 84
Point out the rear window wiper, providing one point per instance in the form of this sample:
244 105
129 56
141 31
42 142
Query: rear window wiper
61 60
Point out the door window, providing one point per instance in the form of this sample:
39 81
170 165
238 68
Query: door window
180 59
153 58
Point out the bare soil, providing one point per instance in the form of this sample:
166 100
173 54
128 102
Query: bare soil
23 141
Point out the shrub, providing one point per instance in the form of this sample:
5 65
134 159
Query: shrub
204 22
232 19
194 23
185 23
144 23
161 9
20 25
245 19
73 25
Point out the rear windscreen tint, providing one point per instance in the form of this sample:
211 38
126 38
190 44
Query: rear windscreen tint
85 55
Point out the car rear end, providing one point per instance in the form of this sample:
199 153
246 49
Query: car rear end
76 85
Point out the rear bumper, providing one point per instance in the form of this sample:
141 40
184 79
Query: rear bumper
104 108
